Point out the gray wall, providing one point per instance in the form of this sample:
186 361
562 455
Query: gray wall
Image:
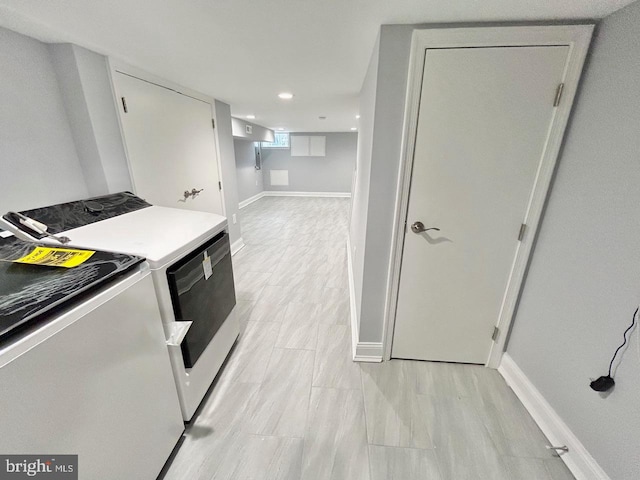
40 165
332 173
387 105
582 285
248 178
59 137
360 194
258 132
84 81
228 168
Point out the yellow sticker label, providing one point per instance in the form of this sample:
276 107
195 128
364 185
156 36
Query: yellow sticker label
56 257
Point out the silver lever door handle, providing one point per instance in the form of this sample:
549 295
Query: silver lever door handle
418 227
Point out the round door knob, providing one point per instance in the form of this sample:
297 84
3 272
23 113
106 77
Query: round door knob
418 227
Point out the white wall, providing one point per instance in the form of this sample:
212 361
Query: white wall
38 157
249 179
331 173
583 281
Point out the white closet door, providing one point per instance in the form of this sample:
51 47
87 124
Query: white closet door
171 146
484 118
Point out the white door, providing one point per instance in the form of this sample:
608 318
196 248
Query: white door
484 118
171 146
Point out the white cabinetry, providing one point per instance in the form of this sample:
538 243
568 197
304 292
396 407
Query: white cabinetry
308 145
171 145
299 145
317 146
95 381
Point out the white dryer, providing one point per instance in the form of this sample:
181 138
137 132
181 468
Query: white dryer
190 259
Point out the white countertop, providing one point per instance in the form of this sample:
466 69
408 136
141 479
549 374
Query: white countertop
160 234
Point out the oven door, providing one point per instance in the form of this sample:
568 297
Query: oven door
202 292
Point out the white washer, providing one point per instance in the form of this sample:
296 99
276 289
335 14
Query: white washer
93 380
164 236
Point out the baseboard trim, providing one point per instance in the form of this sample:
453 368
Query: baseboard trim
237 246
352 300
578 459
362 351
283 193
250 200
277 193
368 352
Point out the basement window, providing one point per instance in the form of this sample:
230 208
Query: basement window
280 140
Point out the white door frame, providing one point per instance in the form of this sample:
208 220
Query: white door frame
116 66
577 38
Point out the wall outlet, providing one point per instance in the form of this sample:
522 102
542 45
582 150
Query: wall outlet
233 218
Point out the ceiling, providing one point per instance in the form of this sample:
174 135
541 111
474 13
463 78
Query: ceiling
245 52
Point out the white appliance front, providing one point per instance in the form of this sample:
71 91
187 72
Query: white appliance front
164 236
94 381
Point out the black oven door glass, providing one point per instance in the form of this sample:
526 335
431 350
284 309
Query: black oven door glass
204 301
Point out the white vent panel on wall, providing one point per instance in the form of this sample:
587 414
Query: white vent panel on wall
299 145
317 146
279 177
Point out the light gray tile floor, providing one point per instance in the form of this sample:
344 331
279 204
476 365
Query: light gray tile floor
290 404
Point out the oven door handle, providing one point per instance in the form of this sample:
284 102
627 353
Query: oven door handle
177 331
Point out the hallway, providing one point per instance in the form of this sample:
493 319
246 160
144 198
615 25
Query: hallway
291 404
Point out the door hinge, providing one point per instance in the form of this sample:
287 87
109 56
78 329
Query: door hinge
559 91
219 185
496 332
124 105
523 228
213 124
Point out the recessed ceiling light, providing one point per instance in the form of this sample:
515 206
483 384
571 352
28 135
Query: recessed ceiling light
357 116
285 95
281 129
251 117
353 128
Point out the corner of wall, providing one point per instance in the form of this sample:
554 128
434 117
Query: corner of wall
386 145
228 169
67 72
361 181
85 84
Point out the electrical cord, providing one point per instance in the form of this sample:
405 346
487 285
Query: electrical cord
606 382
638 343
624 335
